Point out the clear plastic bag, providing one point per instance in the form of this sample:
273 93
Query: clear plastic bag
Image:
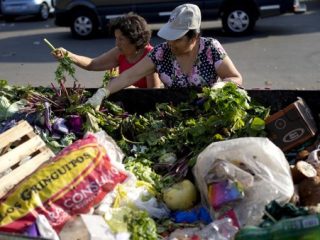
217 230
237 178
314 157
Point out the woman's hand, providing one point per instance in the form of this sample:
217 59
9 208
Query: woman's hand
59 53
97 98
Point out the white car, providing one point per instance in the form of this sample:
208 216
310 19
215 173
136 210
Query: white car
14 8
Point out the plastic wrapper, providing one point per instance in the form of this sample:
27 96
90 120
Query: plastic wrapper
76 180
218 230
45 228
135 194
237 178
314 157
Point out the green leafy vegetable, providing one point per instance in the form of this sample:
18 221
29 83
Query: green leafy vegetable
108 75
8 109
186 129
142 169
141 226
65 66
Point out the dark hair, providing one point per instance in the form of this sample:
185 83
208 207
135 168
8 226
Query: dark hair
134 27
192 33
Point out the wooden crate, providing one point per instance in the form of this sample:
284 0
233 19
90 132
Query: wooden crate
16 145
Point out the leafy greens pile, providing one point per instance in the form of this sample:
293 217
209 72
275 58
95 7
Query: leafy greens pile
167 141
160 146
183 131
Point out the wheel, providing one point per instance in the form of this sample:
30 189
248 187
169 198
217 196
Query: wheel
44 12
84 24
239 20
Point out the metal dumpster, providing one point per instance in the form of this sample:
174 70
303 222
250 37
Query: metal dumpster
143 100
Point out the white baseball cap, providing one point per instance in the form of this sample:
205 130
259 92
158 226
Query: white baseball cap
182 19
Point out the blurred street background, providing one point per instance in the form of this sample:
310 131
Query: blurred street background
282 53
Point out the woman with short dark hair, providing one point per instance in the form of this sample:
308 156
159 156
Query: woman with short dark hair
132 36
134 28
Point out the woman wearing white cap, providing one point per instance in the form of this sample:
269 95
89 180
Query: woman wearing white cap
184 60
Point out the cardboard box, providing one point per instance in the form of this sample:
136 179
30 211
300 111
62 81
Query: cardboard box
291 126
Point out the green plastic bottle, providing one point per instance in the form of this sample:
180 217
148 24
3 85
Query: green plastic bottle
253 233
299 228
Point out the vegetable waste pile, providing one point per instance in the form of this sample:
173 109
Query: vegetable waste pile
150 192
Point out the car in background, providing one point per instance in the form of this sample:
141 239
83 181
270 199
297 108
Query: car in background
87 17
16 8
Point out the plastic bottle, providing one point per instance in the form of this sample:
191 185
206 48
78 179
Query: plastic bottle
299 228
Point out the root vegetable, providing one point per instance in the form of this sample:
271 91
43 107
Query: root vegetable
309 191
301 171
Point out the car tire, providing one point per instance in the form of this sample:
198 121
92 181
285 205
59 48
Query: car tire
44 12
239 20
84 24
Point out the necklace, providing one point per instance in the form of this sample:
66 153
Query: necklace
136 56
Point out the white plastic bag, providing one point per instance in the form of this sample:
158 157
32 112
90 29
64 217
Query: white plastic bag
135 194
45 228
243 176
114 151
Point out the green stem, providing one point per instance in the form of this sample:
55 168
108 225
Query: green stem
49 44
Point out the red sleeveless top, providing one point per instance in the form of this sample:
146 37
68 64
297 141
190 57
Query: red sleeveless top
124 65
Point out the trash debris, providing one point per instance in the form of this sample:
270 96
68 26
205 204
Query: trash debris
292 125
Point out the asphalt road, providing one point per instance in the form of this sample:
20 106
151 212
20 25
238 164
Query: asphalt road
282 53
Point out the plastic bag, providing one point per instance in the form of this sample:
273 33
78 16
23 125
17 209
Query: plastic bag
114 152
135 194
314 157
76 180
237 178
217 230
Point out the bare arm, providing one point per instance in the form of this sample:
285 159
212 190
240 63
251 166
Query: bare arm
228 72
105 61
153 81
141 69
